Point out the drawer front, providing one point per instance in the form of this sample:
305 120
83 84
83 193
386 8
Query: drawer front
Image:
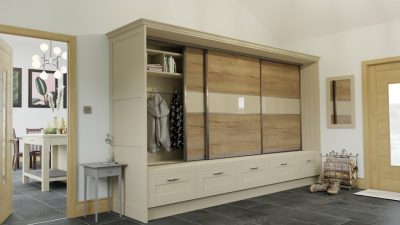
32 141
253 174
308 165
283 169
216 180
108 172
171 187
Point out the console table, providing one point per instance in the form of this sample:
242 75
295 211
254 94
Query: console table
44 175
103 170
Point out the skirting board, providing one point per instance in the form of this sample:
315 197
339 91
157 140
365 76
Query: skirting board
182 207
79 207
361 183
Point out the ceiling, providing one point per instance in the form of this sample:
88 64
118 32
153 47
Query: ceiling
276 21
293 20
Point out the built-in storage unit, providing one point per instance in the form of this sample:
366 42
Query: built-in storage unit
250 118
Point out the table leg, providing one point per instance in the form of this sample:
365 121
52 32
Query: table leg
85 208
45 167
108 193
25 163
120 194
96 195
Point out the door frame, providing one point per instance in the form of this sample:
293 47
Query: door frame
368 171
72 203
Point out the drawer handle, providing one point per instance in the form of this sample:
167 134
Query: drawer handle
173 179
218 173
309 160
283 164
254 168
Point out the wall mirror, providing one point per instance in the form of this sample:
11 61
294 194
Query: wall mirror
341 109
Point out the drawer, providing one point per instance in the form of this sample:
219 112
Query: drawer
308 165
108 172
283 168
171 187
253 173
31 141
216 180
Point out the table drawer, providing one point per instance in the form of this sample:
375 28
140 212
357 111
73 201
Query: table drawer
254 173
216 180
32 141
107 172
171 187
308 165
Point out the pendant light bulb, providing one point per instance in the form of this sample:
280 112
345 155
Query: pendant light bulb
64 55
57 50
58 74
44 47
36 64
63 69
44 75
36 58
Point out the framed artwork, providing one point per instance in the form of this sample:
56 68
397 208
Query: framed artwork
17 87
38 88
65 82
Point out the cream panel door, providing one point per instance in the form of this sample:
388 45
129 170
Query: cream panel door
5 130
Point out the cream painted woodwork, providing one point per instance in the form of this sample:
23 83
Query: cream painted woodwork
194 79
281 107
155 191
128 117
6 65
192 180
377 75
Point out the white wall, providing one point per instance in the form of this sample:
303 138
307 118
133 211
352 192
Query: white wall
76 17
92 90
25 117
342 54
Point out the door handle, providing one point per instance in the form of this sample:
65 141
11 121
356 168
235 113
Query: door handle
173 179
218 173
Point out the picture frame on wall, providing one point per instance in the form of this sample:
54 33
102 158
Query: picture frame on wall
37 88
17 87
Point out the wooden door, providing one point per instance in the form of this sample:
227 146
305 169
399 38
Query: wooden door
281 122
5 131
382 125
194 99
234 123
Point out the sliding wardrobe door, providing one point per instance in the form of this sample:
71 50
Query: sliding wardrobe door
280 90
194 100
234 123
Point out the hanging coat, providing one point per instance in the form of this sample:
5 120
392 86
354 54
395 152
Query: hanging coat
176 123
157 124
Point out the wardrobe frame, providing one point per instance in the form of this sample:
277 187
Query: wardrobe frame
138 206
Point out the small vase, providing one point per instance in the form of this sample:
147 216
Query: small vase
109 155
55 122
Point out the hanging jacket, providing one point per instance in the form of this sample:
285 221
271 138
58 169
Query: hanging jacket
176 123
157 124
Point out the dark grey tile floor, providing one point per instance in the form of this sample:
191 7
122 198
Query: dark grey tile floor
292 207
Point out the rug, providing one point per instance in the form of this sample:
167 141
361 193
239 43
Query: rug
380 194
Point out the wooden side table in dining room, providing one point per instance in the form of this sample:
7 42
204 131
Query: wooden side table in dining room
103 170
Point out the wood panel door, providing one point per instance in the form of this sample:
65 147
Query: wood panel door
234 122
382 125
5 130
281 120
194 101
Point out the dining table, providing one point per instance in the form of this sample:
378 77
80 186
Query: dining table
49 170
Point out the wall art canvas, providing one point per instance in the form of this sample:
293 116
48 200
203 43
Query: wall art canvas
38 89
17 87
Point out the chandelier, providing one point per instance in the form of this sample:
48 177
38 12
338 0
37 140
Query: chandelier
50 60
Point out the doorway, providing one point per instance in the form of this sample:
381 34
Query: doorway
381 108
70 209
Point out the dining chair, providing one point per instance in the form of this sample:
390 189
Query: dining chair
35 150
17 154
